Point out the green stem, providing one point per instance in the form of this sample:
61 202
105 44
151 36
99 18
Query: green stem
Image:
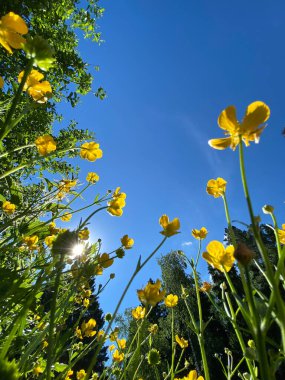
172 345
16 150
50 350
6 129
231 231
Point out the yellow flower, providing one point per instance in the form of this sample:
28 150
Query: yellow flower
66 185
100 334
138 312
105 261
66 217
256 114
169 228
171 300
84 234
1 82
200 234
49 240
151 294
8 207
112 347
127 242
80 375
90 151
45 145
192 375
31 241
38 370
122 343
182 342
219 257
118 357
117 203
45 344
69 373
92 177
87 293
281 234
39 91
216 187
52 228
86 302
11 28
87 328
206 287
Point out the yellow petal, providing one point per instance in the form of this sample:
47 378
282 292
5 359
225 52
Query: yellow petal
220 144
14 22
257 113
228 120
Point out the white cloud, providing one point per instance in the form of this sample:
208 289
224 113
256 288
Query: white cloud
187 243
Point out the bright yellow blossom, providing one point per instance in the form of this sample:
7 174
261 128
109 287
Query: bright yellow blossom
181 341
127 242
169 228
151 294
92 177
112 347
84 234
39 90
38 370
31 241
52 228
138 312
66 217
117 202
12 27
281 234
49 240
216 187
8 207
105 261
118 357
90 151
122 343
219 257
206 287
200 234
192 375
249 129
86 302
45 145
171 300
80 375
69 373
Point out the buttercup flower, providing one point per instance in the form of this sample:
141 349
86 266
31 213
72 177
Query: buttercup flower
39 91
12 27
31 241
49 240
219 257
80 375
281 234
112 347
45 144
69 373
122 343
8 207
200 234
90 151
138 312
105 261
206 287
118 357
216 187
127 242
249 129
86 329
182 342
117 203
169 228
84 234
92 177
192 375
66 217
171 300
38 370
151 294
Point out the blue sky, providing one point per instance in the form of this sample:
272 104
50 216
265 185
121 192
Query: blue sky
169 69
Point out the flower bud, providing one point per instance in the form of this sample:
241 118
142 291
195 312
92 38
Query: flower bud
243 254
267 209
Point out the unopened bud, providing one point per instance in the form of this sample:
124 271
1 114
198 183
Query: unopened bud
243 254
267 209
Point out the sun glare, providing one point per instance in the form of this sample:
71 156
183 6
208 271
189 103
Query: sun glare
77 250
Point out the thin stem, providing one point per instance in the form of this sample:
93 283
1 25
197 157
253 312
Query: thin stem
172 345
231 231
